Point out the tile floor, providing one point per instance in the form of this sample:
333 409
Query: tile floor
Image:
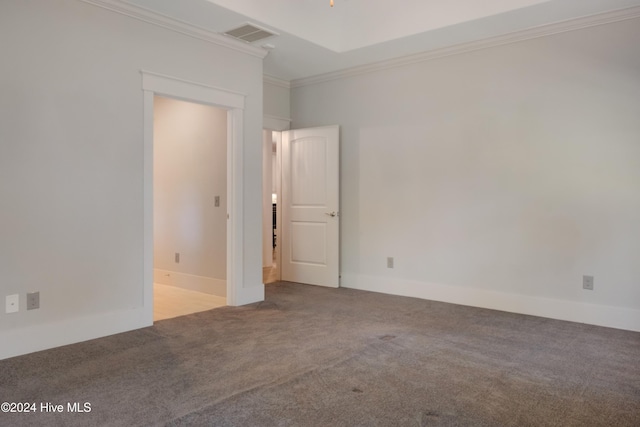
171 301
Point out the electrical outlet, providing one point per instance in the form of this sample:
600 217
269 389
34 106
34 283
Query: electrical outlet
33 300
177 258
390 262
587 283
12 303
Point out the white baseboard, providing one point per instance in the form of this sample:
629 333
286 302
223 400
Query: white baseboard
207 285
19 341
600 315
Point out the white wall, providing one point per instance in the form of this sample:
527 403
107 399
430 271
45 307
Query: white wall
277 100
190 170
496 178
71 164
277 104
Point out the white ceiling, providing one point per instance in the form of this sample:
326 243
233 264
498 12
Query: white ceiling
315 38
353 24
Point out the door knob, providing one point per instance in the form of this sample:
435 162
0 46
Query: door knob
331 214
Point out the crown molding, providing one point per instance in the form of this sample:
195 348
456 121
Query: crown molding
514 37
177 26
276 81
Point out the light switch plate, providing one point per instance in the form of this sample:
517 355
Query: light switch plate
12 303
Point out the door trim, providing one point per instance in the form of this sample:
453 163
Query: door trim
157 84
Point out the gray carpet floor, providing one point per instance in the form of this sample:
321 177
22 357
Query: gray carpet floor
311 356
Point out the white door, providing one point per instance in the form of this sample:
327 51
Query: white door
310 232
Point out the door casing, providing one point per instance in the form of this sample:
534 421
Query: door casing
157 84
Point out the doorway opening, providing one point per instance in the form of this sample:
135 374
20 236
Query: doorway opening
271 206
189 207
307 213
154 84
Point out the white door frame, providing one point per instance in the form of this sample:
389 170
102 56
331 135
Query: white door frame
158 84
279 205
277 125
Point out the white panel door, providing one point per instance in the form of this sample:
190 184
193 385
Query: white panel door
310 232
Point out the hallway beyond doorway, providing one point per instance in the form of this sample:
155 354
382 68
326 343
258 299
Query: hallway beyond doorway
171 301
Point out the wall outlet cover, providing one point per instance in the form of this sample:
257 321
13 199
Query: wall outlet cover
33 300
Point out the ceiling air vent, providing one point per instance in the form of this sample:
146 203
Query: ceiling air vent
249 33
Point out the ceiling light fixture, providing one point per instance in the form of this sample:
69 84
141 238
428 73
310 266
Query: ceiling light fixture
331 3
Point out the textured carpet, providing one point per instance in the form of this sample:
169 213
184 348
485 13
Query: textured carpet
311 356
